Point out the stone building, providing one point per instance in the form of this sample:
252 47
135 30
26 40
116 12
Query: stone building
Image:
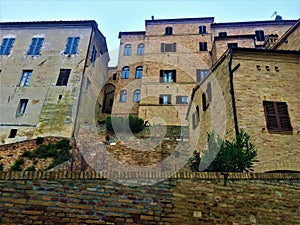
50 73
255 89
158 68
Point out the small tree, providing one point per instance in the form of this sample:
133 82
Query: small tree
226 156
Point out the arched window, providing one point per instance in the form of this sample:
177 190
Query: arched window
204 102
125 72
139 72
137 95
127 49
169 31
123 96
140 50
197 114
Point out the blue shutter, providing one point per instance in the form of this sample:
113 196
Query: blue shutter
6 46
71 46
35 46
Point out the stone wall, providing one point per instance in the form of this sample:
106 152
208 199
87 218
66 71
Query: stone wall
63 198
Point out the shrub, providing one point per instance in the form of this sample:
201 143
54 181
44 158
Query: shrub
30 168
1 167
29 155
39 140
17 165
121 124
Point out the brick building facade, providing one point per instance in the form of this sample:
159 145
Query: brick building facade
171 56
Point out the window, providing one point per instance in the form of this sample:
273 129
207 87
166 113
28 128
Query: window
168 47
260 35
13 133
169 31
114 77
202 29
22 106
140 50
63 77
123 96
208 92
182 100
200 74
204 102
35 47
137 95
277 116
194 121
94 55
87 86
202 46
232 45
165 99
167 76
197 115
127 49
222 34
139 72
125 72
26 75
6 46
71 45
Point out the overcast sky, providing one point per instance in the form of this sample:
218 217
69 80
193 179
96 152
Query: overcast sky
119 15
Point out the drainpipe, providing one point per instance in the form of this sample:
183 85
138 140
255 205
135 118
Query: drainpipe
81 84
230 72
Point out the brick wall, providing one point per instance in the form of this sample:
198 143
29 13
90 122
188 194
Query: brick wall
185 198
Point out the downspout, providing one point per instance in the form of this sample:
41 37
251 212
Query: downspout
230 72
81 85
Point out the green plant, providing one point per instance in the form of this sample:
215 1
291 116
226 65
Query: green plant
1 167
226 156
17 165
39 140
31 168
29 154
35 162
121 124
136 124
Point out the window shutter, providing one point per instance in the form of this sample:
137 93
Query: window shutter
160 99
174 75
161 76
174 47
169 99
283 115
162 47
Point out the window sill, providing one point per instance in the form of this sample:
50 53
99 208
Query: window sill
284 132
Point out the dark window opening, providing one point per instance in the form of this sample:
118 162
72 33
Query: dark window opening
197 115
182 100
22 106
204 102
13 133
169 31
60 97
232 45
260 35
203 46
167 76
94 55
114 76
222 34
200 74
277 116
202 29
276 68
165 99
63 77
168 47
267 68
258 67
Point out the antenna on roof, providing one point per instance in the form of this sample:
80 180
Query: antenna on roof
152 17
274 14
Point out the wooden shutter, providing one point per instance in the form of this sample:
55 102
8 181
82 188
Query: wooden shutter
174 75
162 47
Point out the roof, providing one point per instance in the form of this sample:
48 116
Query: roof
253 23
46 24
181 20
286 34
131 33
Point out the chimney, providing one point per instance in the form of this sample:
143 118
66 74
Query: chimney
152 17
